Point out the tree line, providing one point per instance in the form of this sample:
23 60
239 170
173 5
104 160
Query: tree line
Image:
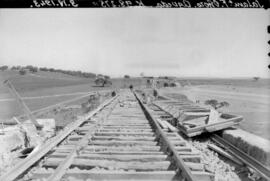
33 69
69 72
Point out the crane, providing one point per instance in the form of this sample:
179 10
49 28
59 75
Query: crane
22 104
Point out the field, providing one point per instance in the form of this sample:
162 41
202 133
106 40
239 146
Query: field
246 97
44 89
229 83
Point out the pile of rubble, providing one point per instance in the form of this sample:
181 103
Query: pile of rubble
15 139
222 170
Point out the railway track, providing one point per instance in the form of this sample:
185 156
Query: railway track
120 140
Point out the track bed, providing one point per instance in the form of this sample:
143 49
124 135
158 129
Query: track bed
121 141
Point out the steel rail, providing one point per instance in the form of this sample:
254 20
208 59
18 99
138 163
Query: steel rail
25 164
182 168
246 159
65 164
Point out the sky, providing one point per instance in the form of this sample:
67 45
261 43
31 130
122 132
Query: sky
172 42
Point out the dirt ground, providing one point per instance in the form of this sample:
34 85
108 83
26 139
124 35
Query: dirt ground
64 115
250 102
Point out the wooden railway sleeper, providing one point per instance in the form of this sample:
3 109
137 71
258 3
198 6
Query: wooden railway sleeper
65 164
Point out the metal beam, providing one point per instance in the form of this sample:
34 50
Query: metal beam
66 163
185 171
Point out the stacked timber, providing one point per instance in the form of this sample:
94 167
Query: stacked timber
193 120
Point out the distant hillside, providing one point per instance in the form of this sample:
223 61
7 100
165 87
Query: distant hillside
34 69
56 75
40 80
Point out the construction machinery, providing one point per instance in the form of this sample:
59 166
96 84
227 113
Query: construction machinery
22 104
